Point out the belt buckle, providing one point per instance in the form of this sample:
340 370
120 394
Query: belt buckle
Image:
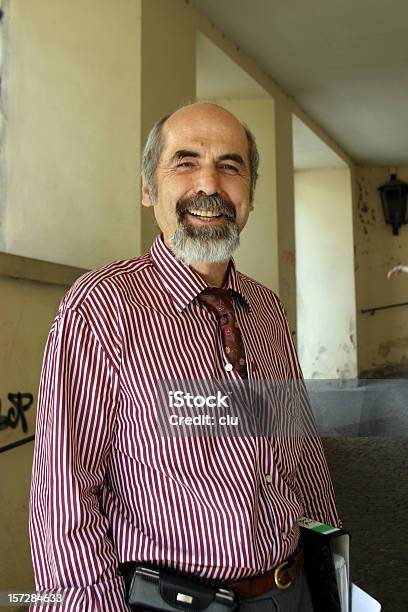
281 585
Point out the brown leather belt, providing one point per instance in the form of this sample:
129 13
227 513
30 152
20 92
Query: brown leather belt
280 577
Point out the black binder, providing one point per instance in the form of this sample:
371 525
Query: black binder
320 542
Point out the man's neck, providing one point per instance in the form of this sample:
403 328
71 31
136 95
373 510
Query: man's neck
214 274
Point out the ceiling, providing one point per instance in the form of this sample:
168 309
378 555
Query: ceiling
219 77
344 62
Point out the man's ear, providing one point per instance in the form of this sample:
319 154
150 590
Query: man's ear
146 199
251 206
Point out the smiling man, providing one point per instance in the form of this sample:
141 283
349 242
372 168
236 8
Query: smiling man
109 492
202 193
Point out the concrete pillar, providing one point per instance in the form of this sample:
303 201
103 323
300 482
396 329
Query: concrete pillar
285 208
325 273
168 78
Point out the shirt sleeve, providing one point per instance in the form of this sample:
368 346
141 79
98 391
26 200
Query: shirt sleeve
313 481
69 533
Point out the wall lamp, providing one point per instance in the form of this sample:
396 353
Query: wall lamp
394 195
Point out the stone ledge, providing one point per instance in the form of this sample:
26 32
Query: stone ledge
36 270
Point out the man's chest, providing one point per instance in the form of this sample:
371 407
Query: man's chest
189 345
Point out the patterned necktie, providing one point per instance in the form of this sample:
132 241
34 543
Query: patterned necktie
219 301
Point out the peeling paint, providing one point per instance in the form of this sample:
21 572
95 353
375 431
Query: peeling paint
386 347
344 372
316 374
382 340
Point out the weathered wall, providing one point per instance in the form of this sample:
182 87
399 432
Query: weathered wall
30 293
261 230
383 337
73 130
16 572
325 274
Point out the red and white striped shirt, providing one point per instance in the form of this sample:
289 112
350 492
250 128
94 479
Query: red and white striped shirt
108 488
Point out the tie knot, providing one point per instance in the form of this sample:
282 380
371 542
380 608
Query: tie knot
219 301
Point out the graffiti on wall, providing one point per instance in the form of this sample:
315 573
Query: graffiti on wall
20 403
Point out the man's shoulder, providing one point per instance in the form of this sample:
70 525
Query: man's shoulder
101 279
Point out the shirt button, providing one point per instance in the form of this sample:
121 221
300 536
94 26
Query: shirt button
229 367
268 478
284 534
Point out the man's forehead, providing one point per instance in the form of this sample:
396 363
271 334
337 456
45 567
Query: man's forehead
200 126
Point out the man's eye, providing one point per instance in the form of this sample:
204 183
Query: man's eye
230 168
184 164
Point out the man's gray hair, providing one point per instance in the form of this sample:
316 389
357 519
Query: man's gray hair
153 148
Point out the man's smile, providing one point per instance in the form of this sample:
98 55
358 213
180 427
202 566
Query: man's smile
205 216
205 210
204 213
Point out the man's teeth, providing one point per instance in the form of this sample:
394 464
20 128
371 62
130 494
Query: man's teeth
203 213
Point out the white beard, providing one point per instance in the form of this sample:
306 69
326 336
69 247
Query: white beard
205 244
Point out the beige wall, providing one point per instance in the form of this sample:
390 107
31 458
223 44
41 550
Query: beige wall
27 309
168 74
257 255
73 130
16 572
383 337
325 274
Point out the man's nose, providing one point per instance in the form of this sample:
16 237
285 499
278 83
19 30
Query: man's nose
207 181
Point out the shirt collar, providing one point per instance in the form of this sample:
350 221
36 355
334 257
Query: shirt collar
181 282
234 283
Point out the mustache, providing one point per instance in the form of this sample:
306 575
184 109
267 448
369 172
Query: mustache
214 203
